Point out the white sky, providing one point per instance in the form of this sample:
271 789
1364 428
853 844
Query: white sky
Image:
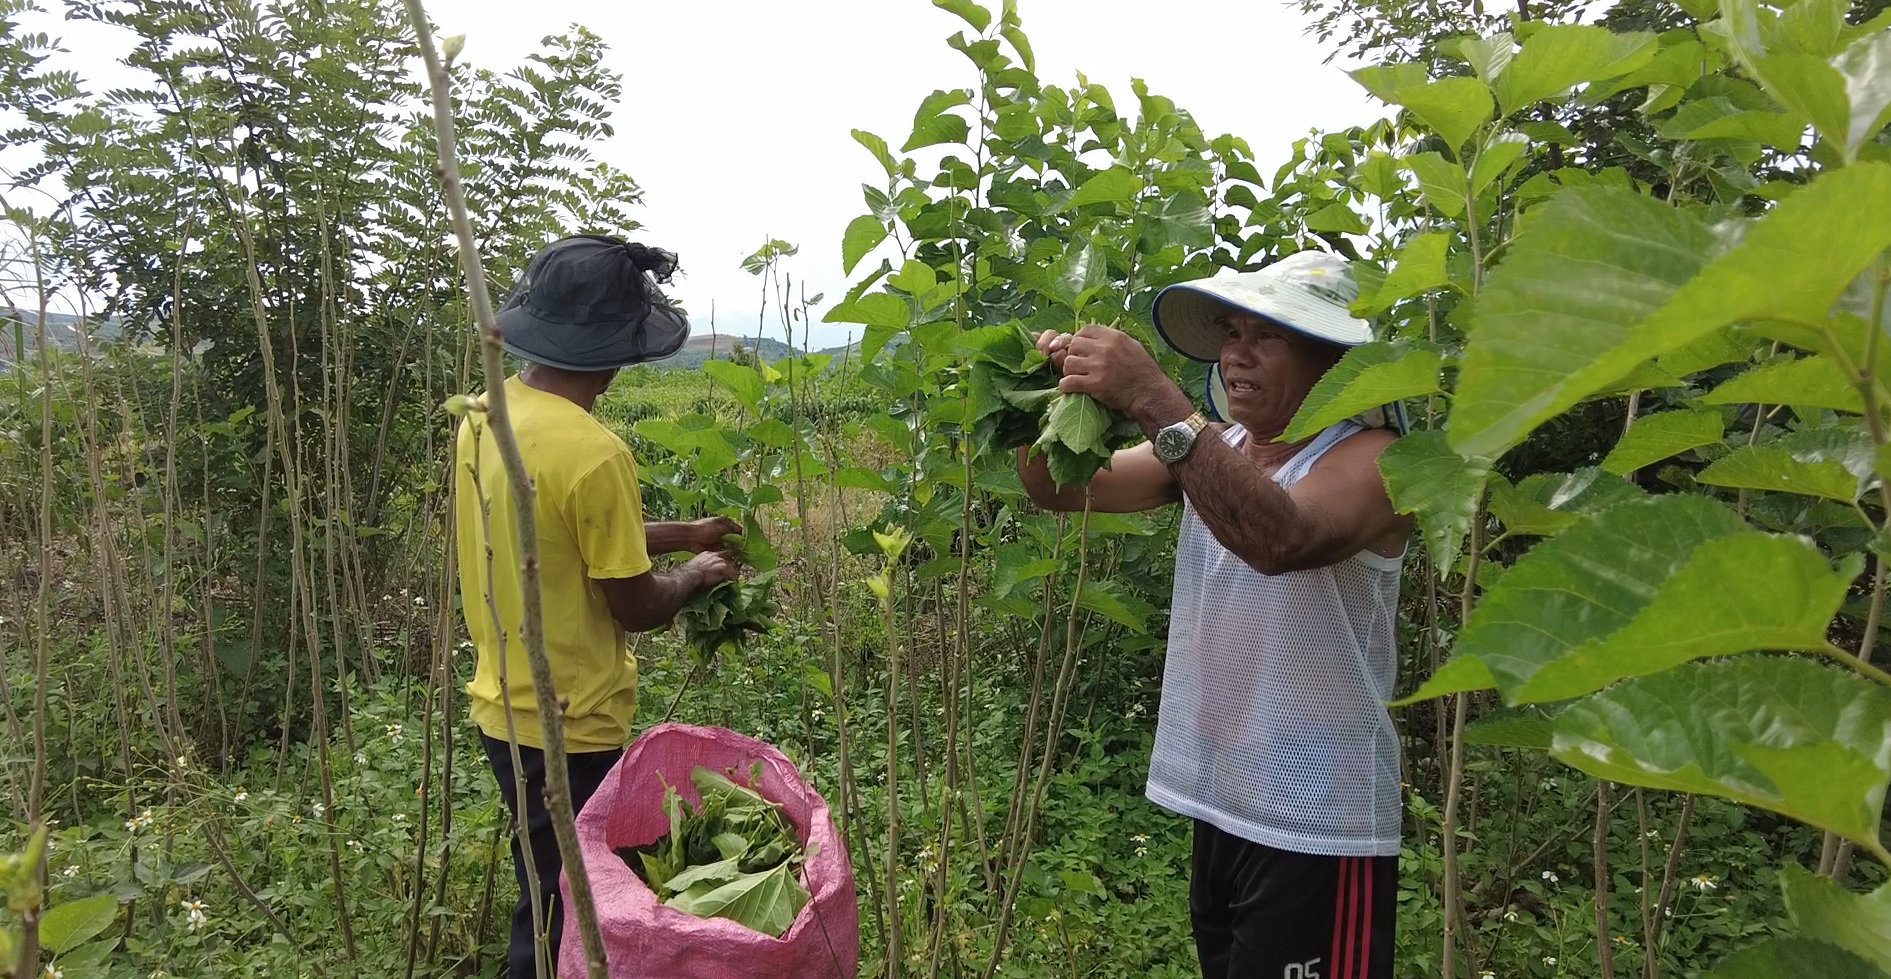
737 112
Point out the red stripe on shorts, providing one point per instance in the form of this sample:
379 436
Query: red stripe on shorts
1339 915
1365 931
1352 916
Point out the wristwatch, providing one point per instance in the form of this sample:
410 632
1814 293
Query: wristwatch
1173 442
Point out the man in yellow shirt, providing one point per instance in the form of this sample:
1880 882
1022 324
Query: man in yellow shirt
585 307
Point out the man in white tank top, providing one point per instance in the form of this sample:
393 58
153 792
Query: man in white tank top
1272 733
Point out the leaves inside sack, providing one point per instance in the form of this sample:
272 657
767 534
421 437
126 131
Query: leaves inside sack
736 856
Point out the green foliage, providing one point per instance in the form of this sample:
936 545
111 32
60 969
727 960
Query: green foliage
1558 57
1367 377
1631 272
1786 734
1424 477
67 926
1661 436
1554 323
1556 290
1079 436
1553 628
1824 910
1795 957
723 616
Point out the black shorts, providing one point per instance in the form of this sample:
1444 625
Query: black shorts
1262 913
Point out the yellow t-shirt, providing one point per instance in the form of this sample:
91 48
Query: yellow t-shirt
590 526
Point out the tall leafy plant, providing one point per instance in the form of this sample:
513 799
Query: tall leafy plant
1695 614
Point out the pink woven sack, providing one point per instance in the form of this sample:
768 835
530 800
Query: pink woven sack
645 940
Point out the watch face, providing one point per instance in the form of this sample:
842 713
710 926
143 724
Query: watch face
1172 444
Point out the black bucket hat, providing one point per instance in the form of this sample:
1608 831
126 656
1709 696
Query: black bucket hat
591 303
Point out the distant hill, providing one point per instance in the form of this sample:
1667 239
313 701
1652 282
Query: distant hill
705 346
62 331
63 335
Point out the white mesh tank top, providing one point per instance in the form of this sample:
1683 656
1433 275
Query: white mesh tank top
1273 724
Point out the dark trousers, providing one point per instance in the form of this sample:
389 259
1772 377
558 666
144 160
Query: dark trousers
587 771
1263 913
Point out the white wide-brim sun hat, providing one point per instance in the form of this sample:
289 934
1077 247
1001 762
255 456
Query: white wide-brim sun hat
1308 292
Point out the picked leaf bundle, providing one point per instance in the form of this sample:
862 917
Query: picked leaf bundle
736 857
1013 401
722 617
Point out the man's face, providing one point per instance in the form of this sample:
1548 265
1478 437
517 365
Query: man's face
1268 369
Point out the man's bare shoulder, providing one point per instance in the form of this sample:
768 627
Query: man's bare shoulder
1358 454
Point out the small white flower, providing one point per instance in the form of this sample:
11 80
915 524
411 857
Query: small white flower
361 757
69 872
1510 915
1653 834
354 845
1487 974
419 602
183 763
394 732
138 822
318 809
1550 875
1547 784
1549 960
194 910
1704 882
52 972
241 796
400 817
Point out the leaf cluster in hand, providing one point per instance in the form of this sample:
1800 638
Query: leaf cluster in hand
736 856
1013 401
722 617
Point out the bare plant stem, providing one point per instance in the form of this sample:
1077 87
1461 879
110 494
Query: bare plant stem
302 594
1642 897
1052 731
956 653
444 643
1651 958
1454 886
849 795
213 835
1836 860
551 711
28 950
895 965
1840 862
535 889
1605 952
1014 815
